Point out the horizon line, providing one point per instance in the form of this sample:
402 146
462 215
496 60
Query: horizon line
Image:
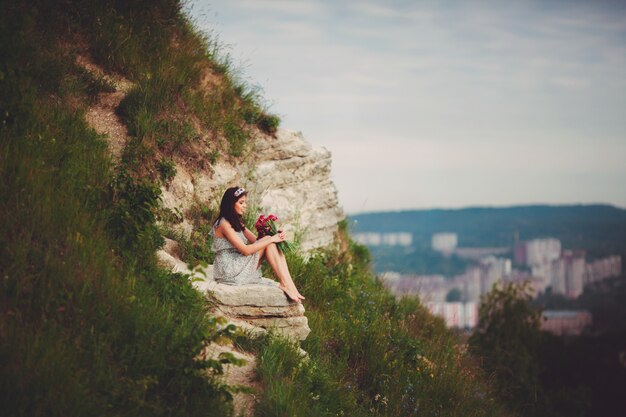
508 206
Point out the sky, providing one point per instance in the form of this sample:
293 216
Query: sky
442 104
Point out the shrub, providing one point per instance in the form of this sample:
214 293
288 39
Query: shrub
167 170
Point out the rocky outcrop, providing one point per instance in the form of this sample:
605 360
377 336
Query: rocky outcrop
293 180
257 308
286 176
240 375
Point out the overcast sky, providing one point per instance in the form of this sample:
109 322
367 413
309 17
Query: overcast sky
444 103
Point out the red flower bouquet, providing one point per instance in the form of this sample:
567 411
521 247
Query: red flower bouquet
265 226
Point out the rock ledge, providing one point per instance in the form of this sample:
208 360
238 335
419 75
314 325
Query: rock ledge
255 307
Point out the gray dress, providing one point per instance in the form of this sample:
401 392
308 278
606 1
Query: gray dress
231 266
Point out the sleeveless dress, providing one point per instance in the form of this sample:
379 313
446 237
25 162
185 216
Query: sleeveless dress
231 266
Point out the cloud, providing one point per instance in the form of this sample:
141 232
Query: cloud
277 7
430 91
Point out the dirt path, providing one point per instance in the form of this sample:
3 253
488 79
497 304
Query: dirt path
243 403
101 116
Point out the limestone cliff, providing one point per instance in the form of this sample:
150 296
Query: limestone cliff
286 176
294 182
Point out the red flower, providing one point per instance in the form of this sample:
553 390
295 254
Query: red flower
260 222
265 226
262 227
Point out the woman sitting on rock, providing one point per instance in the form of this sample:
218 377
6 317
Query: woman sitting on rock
238 252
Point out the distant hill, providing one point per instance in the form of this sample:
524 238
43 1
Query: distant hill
600 229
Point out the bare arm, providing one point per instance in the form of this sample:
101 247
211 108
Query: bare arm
226 229
249 235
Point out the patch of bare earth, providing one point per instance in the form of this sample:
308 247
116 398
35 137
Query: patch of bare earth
101 116
239 376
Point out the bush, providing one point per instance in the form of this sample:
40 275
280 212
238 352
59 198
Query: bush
167 170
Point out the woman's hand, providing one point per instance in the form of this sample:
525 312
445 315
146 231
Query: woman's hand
279 237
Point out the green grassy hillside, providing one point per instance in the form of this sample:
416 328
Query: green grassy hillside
89 324
370 354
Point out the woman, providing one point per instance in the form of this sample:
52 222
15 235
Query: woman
238 253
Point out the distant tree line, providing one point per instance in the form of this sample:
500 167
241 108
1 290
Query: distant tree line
598 229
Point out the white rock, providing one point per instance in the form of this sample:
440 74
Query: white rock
180 191
294 183
257 307
172 263
211 185
285 175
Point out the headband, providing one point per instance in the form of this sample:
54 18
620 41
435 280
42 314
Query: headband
239 191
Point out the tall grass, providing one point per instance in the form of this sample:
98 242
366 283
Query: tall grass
369 354
160 50
88 324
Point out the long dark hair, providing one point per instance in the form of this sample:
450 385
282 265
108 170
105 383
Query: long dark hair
227 208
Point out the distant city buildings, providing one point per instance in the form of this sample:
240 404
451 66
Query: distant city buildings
547 268
571 267
471 283
444 242
456 314
600 269
384 239
476 254
428 288
537 251
567 272
493 270
476 281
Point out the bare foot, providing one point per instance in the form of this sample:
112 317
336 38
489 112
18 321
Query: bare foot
290 294
295 290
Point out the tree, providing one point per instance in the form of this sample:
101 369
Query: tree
506 341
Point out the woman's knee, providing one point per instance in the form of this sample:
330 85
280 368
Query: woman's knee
271 248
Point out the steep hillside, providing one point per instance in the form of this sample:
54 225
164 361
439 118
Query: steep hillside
121 125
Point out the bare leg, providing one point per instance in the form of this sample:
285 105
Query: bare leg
261 257
278 263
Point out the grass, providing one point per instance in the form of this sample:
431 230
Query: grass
186 90
369 354
294 386
88 324
169 104
79 318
